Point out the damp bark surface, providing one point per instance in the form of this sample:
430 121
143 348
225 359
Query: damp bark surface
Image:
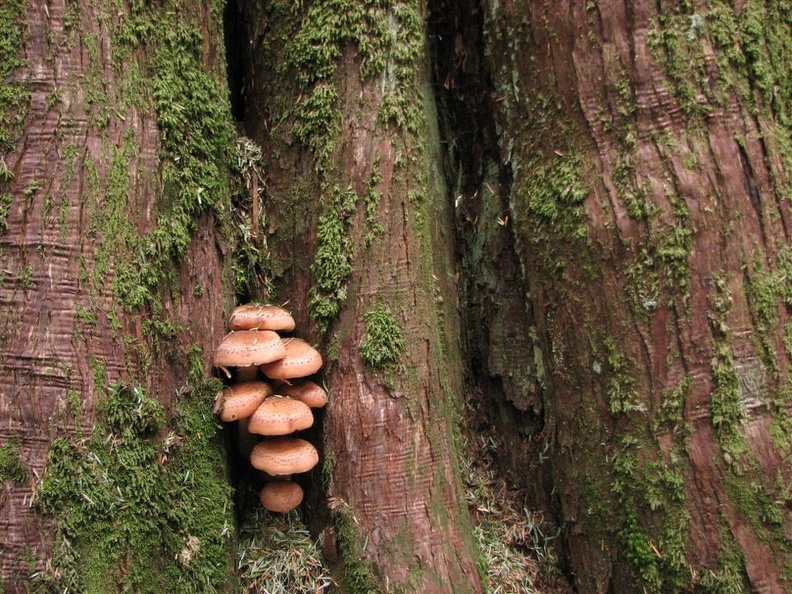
85 181
568 220
644 171
365 192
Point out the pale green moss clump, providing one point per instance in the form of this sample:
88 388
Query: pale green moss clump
383 342
11 467
140 506
332 265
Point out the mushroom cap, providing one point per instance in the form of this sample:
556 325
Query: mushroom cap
300 360
281 496
249 347
284 455
242 399
263 317
305 391
280 415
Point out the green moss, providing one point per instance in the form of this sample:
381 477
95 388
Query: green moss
357 576
730 576
621 385
14 95
196 142
727 412
641 554
11 467
140 506
332 265
6 198
649 487
388 38
554 194
383 339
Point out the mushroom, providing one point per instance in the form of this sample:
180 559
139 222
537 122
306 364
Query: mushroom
280 415
300 360
263 317
248 347
279 456
305 391
241 400
281 496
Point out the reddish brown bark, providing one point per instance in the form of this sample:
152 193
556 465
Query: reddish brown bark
389 458
710 164
56 299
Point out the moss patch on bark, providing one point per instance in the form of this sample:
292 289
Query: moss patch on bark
141 505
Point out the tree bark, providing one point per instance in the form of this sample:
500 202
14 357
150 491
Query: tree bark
641 150
339 97
113 295
594 248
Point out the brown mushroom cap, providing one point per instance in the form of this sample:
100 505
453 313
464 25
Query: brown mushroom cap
305 391
284 455
242 399
263 317
300 360
249 347
281 496
280 415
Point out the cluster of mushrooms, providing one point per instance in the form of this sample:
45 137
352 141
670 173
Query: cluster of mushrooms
269 412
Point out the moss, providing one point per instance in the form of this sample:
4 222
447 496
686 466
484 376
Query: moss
621 385
383 339
6 198
357 576
332 265
11 467
549 206
14 95
196 134
140 506
389 41
729 577
649 487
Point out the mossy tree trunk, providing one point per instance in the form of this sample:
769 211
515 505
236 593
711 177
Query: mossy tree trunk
629 161
614 182
116 141
338 95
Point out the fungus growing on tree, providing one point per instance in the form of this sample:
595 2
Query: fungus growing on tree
263 317
281 496
248 347
305 391
241 400
300 360
254 346
280 415
279 456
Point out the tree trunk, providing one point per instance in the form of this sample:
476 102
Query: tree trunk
339 97
116 143
633 157
593 247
